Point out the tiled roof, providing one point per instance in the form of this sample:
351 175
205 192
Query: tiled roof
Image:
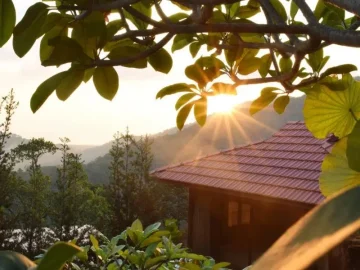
285 166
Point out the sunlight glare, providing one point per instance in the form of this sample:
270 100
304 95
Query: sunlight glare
222 104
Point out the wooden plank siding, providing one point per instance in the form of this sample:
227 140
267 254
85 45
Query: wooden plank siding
243 243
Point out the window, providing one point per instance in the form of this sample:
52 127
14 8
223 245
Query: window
233 213
245 213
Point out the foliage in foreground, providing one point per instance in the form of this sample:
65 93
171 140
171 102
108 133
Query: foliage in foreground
135 248
230 36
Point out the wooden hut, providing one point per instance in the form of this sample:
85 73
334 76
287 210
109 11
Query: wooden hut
242 200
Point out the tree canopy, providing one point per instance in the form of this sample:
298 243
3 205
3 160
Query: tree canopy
241 42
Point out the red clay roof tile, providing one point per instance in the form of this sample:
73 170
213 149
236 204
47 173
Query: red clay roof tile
285 166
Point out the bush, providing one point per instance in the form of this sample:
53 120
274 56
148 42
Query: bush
151 248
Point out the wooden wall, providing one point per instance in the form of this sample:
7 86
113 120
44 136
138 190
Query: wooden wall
209 233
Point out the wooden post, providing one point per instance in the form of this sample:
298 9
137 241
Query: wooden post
201 224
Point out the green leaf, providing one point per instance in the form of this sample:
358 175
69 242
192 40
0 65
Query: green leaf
69 83
261 102
319 231
265 66
184 99
200 110
88 74
14 261
221 265
113 27
173 89
94 25
56 19
66 50
280 104
45 90
315 59
151 229
248 66
106 81
142 8
137 225
183 115
57 255
181 40
128 51
224 88
7 20
194 48
293 9
342 69
161 61
88 44
94 241
353 148
329 111
29 28
269 90
285 64
335 171
279 9
45 49
204 70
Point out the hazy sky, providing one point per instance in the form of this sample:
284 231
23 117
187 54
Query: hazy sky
85 117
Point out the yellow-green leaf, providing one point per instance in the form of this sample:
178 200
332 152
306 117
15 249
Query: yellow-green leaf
69 83
183 115
319 231
94 241
200 111
293 9
279 9
45 90
7 20
184 99
45 49
285 64
57 255
173 89
161 61
137 225
248 66
106 81
280 104
353 148
335 171
261 102
327 111
29 28
128 51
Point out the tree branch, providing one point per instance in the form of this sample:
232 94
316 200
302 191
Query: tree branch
306 11
130 59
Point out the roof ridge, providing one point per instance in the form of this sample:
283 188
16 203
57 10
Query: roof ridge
255 183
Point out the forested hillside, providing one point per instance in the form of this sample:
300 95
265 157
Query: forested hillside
221 131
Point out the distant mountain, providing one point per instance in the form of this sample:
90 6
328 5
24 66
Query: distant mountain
171 146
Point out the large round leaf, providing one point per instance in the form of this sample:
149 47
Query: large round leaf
7 20
57 255
10 260
327 111
70 83
29 28
106 81
335 172
161 61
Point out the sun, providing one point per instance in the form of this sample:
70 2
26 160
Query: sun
222 104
